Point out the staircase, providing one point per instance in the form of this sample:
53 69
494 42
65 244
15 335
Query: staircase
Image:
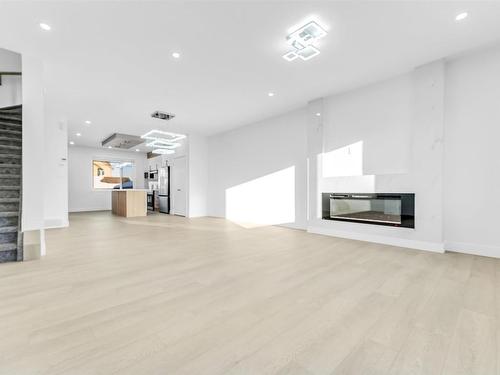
10 183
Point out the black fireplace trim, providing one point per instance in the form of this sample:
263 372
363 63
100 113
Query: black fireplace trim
407 207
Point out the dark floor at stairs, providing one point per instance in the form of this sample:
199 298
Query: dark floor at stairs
10 182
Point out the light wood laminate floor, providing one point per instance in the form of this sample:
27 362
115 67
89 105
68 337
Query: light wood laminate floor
167 295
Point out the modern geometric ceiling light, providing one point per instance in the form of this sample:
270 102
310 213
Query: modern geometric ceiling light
290 56
45 26
166 136
302 42
163 151
308 52
161 143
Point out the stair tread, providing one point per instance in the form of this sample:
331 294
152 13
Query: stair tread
18 111
8 131
9 214
4 121
8 229
10 120
9 200
8 246
6 156
10 176
12 109
8 187
10 165
12 112
11 147
2 138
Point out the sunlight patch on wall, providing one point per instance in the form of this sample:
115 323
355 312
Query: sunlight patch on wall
344 161
267 200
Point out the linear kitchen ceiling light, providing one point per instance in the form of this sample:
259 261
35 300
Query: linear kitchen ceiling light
302 41
166 136
162 143
163 151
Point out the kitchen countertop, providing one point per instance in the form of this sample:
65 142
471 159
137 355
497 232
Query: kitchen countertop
147 190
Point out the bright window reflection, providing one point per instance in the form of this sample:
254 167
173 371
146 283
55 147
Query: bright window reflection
345 161
267 200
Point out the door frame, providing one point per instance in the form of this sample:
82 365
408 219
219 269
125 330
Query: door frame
186 182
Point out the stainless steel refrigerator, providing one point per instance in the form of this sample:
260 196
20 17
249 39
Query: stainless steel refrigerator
164 189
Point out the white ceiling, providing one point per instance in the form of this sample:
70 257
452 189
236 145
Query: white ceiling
111 63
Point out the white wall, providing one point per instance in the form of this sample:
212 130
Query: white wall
253 153
33 144
56 171
11 88
379 116
472 156
197 176
82 197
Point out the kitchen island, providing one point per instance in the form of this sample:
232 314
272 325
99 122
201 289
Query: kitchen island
129 202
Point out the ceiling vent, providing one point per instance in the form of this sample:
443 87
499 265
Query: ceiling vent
123 141
162 115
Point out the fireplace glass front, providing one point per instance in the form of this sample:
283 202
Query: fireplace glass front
381 208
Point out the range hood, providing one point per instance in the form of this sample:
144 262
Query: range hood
123 141
162 115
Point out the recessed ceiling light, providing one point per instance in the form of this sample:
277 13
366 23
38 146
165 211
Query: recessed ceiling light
461 16
88 122
176 55
71 142
270 94
318 114
137 150
45 27
110 146
78 134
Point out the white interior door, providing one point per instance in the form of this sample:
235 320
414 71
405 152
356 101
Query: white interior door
178 181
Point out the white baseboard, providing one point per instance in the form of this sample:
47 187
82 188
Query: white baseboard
386 240
89 209
292 226
472 248
52 223
195 215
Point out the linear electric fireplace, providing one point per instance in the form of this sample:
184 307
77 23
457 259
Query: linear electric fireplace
392 209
